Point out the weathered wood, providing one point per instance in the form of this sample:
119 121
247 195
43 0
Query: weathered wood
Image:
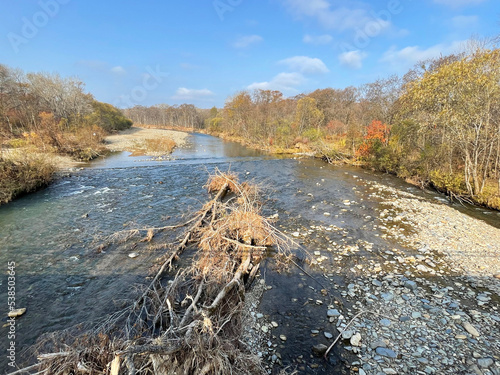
242 270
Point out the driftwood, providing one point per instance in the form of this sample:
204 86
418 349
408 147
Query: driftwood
191 324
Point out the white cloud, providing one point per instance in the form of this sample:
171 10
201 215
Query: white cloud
464 21
338 18
118 70
317 39
458 3
352 59
412 54
183 93
247 40
287 82
305 64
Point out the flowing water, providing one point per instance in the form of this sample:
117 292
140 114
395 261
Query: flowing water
51 235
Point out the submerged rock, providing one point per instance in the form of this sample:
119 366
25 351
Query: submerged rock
319 349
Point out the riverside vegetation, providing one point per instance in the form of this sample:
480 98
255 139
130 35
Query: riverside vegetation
438 125
44 115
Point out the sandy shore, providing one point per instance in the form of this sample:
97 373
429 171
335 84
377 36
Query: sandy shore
129 139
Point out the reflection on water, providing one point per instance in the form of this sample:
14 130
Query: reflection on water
51 234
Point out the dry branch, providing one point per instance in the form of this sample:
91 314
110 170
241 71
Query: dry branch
191 324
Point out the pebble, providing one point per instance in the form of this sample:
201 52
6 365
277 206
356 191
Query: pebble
377 344
264 329
485 362
328 335
283 337
410 284
389 371
386 352
385 322
133 255
332 313
416 315
356 339
346 335
470 328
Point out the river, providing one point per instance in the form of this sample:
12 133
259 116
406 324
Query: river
52 236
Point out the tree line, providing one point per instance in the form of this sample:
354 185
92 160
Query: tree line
438 124
42 115
52 113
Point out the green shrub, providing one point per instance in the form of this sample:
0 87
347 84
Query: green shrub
108 117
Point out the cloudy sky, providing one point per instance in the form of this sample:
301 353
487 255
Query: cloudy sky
202 51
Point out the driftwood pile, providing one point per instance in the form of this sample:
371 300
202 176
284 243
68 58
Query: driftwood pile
190 324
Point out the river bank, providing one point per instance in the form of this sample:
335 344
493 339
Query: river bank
25 170
373 238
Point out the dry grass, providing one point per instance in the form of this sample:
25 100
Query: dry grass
154 147
191 325
23 172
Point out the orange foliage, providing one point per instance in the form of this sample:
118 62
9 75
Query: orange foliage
375 131
378 130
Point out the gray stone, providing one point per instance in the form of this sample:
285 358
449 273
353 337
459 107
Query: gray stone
386 352
389 371
332 312
328 335
347 334
387 296
416 315
377 344
385 322
410 284
485 362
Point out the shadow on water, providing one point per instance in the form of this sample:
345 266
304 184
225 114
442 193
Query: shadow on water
51 235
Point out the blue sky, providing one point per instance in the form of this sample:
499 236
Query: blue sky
201 51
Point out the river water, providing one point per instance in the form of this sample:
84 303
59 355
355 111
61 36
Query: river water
52 235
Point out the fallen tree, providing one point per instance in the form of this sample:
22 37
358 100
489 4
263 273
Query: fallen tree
190 324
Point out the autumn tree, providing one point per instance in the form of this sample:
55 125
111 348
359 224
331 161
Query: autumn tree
455 106
307 115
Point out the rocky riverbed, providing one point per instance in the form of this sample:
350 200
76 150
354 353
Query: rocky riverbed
422 298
